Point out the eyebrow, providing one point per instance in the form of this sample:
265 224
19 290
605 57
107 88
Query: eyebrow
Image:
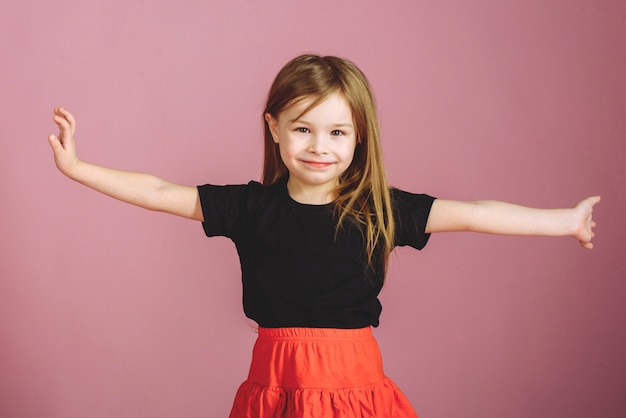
335 125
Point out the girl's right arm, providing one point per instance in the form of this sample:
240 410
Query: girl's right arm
140 189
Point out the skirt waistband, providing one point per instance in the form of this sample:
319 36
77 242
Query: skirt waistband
315 333
315 358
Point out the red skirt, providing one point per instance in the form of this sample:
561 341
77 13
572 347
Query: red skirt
318 373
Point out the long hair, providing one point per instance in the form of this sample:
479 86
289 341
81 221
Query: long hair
362 195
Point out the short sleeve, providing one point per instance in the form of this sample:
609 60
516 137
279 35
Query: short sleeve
411 215
226 208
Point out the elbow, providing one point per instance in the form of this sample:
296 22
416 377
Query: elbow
156 193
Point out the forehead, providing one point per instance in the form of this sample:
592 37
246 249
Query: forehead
335 106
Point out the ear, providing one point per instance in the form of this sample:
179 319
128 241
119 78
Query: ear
272 124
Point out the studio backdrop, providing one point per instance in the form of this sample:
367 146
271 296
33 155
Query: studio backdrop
107 310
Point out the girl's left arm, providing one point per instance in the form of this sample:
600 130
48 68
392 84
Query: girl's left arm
508 219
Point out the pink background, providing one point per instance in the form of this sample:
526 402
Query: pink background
110 311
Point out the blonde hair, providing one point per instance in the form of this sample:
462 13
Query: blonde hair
362 195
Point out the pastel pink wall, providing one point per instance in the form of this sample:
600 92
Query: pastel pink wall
110 311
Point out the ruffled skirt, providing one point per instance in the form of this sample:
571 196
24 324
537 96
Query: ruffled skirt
318 373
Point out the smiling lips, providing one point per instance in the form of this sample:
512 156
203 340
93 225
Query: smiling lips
317 164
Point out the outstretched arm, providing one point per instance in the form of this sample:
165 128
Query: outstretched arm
140 189
508 219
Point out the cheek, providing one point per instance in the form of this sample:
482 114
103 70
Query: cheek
349 153
350 157
285 152
350 160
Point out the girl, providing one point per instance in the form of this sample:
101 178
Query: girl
314 239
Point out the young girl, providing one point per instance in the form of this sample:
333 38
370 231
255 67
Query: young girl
314 239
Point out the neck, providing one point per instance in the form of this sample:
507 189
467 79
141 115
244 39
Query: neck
310 195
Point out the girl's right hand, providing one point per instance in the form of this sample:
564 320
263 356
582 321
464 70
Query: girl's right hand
140 189
63 145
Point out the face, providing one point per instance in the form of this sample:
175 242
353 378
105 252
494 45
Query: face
317 147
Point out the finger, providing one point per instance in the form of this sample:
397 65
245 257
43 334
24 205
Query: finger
587 245
72 122
54 143
594 200
69 117
62 123
58 116
58 111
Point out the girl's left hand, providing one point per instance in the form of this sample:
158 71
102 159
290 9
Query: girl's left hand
584 224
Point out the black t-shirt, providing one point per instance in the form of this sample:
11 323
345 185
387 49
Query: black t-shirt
296 271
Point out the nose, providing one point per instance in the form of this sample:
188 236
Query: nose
318 144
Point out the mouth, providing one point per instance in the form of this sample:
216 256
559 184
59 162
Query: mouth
317 164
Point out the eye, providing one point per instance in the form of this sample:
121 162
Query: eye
337 132
302 129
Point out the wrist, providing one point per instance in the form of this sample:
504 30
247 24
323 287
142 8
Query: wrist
571 224
73 170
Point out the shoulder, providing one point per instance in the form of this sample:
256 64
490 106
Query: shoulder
230 209
247 196
411 213
411 208
251 187
403 200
